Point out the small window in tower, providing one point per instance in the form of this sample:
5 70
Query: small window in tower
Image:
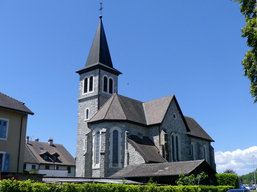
115 145
110 85
86 114
91 83
105 84
97 147
85 85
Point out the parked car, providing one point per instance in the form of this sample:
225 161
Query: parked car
241 186
238 190
247 186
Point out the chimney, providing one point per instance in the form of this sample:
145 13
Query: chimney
27 139
37 139
50 141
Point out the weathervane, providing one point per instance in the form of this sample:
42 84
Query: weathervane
101 8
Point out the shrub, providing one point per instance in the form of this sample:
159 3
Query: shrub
227 179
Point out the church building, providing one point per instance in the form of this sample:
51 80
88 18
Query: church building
115 131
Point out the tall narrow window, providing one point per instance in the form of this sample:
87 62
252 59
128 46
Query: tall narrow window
105 84
192 151
97 147
3 129
91 83
1 161
115 148
173 148
86 114
110 85
177 150
85 85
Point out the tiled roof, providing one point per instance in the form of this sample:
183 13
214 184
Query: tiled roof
7 102
37 149
119 107
196 130
146 148
161 169
152 112
156 109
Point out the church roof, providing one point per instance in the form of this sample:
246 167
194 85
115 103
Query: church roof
162 169
121 108
99 55
9 103
196 130
146 148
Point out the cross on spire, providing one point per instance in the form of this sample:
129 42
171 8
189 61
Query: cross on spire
101 8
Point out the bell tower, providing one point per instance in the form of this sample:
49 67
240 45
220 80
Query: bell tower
98 80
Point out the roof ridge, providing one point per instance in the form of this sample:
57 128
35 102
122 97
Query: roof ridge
109 105
12 98
121 106
146 119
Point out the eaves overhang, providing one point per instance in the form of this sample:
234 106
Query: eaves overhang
98 66
191 135
114 120
16 110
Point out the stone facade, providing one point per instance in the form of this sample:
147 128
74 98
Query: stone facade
92 101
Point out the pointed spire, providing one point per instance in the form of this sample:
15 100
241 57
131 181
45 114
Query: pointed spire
99 52
99 55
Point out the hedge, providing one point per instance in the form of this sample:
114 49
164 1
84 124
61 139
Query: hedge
227 179
30 186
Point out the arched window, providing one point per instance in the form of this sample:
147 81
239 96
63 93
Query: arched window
91 83
105 83
175 148
97 147
193 151
86 114
110 85
85 85
115 148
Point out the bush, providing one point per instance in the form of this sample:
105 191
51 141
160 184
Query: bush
30 186
227 179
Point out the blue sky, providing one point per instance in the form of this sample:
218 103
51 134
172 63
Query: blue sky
192 49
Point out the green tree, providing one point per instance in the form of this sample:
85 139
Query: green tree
248 9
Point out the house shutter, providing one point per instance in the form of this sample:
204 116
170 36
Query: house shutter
6 162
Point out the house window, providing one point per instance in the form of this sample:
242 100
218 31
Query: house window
3 128
46 167
96 148
33 167
1 161
45 157
88 84
108 85
69 169
24 166
175 147
115 147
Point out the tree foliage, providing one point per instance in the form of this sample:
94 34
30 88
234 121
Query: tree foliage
230 171
249 10
191 180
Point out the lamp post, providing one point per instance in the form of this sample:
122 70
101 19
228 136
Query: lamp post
254 172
